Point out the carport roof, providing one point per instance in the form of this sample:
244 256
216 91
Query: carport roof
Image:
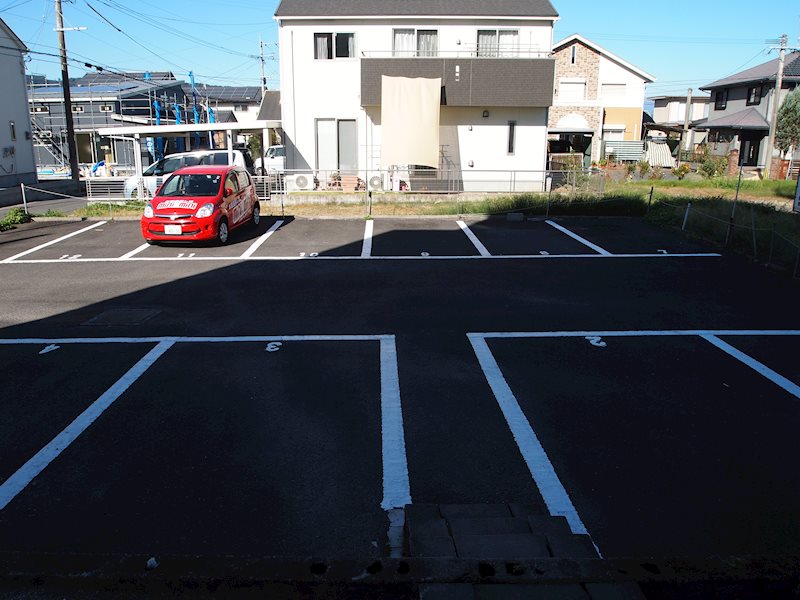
179 130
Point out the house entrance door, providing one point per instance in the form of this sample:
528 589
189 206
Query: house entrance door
751 144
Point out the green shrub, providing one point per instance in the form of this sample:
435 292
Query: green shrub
15 216
630 169
658 173
713 166
644 168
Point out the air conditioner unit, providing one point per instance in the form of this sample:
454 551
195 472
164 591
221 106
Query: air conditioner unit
377 182
300 182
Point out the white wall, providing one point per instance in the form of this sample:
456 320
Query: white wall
611 72
17 163
315 89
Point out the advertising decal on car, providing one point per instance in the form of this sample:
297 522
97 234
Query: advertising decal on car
185 204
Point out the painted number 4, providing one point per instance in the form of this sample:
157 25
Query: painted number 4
274 346
596 340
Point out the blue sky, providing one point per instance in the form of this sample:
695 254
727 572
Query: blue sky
683 44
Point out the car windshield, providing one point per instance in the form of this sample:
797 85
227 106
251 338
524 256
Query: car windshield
191 185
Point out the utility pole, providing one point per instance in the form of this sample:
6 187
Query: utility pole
261 60
73 150
776 104
686 120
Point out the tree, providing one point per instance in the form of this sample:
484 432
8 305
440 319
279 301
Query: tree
787 134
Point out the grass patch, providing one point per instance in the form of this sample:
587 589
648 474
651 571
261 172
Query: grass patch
764 188
50 213
15 216
131 208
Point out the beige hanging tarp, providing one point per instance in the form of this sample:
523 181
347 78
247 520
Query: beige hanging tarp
410 121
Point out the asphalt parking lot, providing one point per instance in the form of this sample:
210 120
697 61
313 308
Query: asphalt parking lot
283 394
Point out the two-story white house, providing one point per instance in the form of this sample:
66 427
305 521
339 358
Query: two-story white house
17 164
443 95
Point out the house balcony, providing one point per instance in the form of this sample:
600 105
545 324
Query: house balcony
513 79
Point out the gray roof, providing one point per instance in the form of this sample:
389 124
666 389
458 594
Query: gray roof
13 36
767 71
748 118
367 8
270 109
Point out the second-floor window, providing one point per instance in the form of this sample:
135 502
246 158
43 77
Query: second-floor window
415 42
498 42
330 45
721 100
754 95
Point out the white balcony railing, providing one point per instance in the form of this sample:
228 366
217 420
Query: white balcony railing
463 51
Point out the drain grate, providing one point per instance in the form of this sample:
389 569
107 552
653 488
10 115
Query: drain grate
123 316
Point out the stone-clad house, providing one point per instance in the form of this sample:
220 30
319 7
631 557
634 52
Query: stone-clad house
598 97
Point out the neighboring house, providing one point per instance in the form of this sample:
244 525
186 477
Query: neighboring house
446 95
102 100
17 164
99 100
599 97
741 110
669 113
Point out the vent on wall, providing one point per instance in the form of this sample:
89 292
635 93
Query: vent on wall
106 108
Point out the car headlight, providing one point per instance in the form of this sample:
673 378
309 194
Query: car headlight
205 211
148 210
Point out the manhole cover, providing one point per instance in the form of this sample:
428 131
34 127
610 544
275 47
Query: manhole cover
123 316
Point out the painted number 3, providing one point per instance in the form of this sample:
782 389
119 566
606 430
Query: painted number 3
596 340
274 346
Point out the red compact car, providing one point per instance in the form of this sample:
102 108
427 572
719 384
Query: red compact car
201 203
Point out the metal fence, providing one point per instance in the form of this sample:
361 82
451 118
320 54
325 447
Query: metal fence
749 230
408 181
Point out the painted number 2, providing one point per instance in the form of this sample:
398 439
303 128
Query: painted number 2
596 340
274 346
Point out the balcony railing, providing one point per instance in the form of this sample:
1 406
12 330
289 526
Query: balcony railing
463 51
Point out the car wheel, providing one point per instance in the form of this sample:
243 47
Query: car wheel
222 232
256 218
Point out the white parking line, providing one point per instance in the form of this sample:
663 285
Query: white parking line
758 367
257 244
474 239
27 472
135 251
318 258
575 236
366 248
396 488
634 333
539 465
51 242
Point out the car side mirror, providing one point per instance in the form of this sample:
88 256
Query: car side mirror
228 192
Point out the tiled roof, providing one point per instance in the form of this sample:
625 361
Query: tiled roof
767 71
749 118
366 8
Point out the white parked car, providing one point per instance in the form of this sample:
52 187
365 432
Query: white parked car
274 161
155 174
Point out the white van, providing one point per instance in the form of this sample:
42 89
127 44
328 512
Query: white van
153 176
274 160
